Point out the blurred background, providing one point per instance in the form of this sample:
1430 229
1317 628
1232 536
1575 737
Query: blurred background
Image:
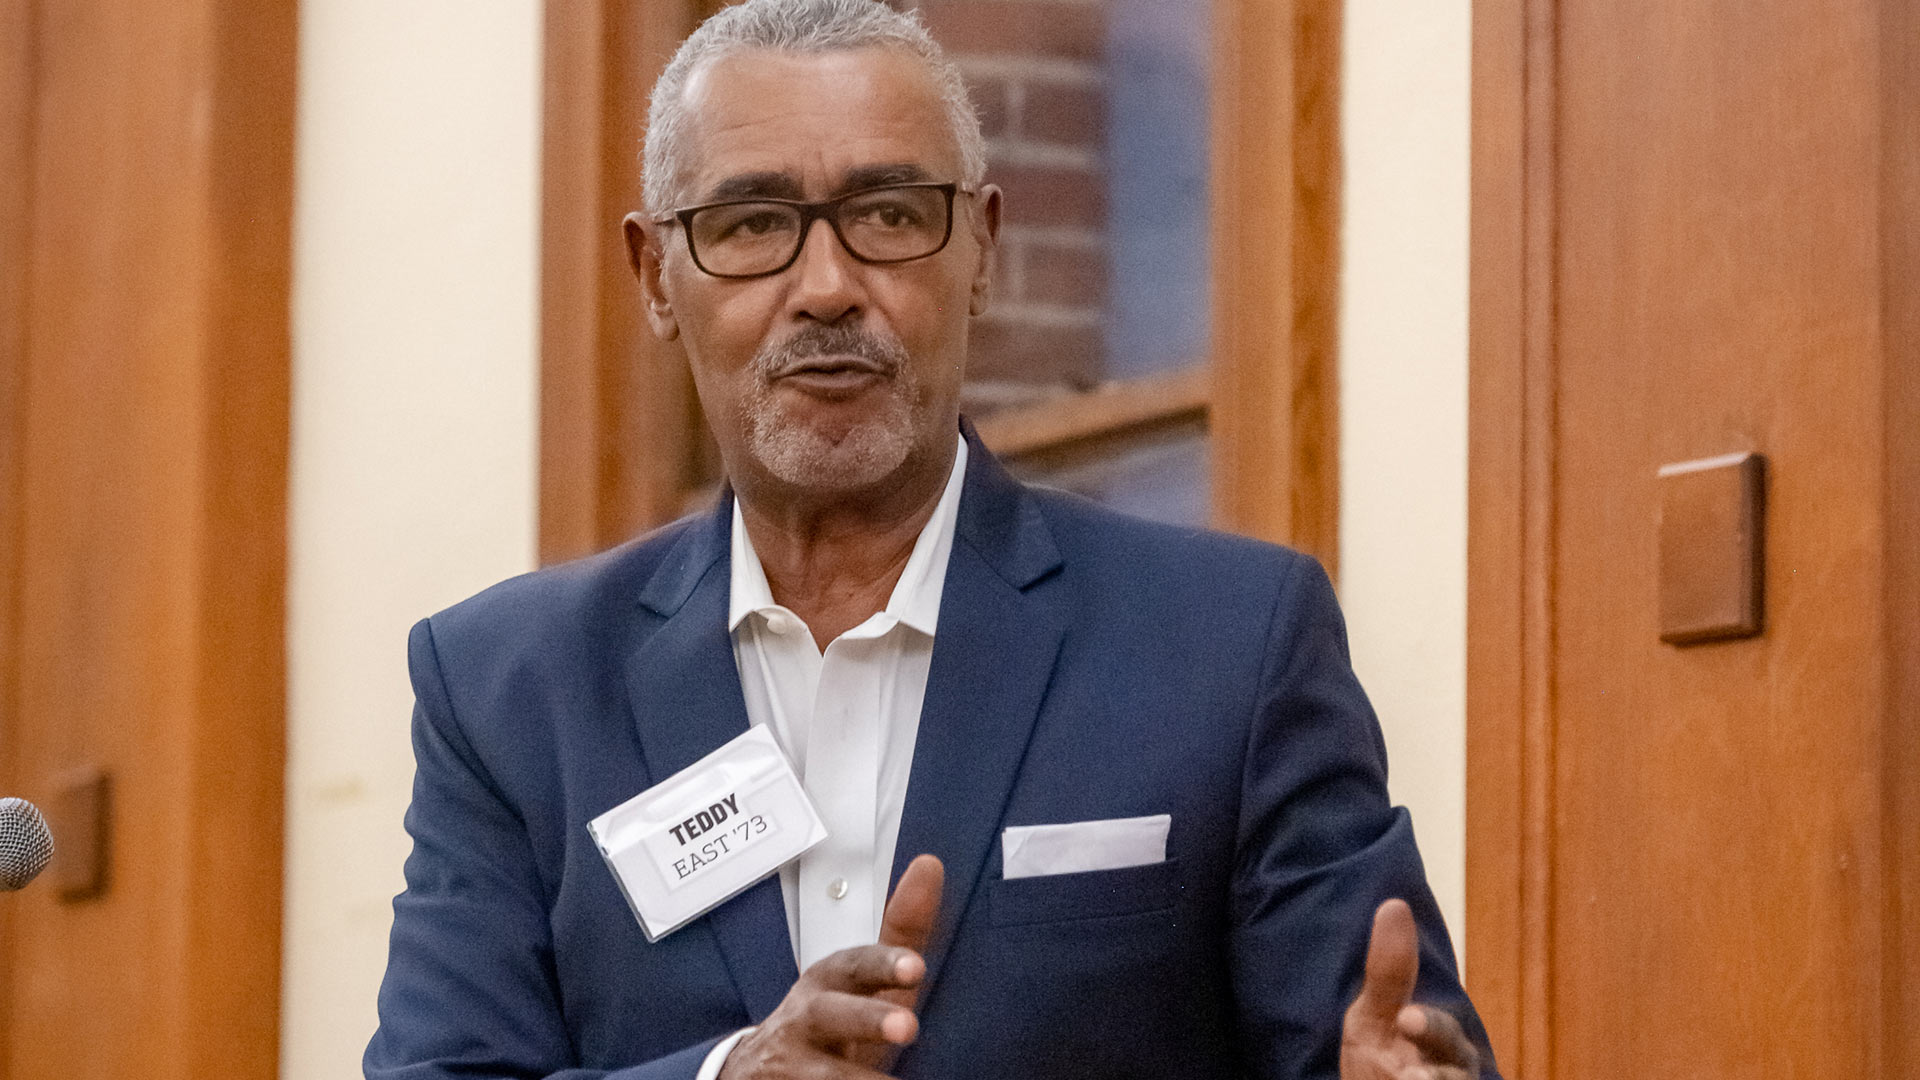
314 319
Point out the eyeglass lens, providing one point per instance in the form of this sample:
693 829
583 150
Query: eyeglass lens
882 225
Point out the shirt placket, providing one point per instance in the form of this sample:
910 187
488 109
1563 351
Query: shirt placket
836 878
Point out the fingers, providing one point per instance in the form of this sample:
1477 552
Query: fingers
759 1058
867 969
907 923
854 1009
839 1020
1393 965
908 919
1385 1028
1421 1072
1439 1038
833 1018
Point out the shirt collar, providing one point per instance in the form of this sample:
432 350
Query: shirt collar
916 596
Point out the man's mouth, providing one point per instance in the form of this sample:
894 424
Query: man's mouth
832 376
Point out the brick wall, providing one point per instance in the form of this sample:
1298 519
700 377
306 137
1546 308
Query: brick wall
1036 69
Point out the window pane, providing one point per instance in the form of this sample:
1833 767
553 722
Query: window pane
1157 273
1162 477
1096 118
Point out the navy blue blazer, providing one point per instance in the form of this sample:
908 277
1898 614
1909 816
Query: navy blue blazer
1087 666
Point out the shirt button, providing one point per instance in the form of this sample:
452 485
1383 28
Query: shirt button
779 623
838 888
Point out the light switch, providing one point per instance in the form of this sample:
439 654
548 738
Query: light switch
1712 528
82 818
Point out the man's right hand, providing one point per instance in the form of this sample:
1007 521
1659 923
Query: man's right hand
852 1011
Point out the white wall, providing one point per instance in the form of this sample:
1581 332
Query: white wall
414 380
1403 405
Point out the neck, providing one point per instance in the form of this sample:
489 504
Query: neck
835 562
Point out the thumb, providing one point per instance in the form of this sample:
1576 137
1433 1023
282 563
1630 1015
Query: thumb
907 923
1393 965
908 919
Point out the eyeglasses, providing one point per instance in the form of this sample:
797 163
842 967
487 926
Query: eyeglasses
749 238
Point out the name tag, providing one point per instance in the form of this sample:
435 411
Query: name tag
707 833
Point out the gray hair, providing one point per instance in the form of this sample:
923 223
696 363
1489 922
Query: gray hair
797 26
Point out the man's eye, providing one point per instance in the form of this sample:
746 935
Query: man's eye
759 224
888 215
742 225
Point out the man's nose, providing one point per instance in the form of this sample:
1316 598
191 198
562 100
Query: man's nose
826 286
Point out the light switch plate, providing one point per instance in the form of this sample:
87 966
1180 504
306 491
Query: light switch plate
1712 562
82 821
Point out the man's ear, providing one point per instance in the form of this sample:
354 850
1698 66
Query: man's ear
644 255
986 234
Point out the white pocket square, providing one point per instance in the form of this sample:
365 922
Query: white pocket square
1079 846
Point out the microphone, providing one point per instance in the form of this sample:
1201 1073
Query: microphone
25 843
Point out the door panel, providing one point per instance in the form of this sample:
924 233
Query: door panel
1688 240
145 466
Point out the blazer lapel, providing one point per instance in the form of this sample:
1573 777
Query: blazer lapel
1000 632
685 693
993 655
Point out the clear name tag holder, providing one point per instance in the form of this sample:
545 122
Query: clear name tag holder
707 833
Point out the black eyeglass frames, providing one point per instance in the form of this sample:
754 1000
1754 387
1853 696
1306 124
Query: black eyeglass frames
749 238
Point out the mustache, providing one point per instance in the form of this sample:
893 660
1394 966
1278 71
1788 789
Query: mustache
883 354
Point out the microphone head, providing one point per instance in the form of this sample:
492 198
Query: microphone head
25 843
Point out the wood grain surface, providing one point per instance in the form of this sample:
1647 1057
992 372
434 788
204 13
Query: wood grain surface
1694 233
146 558
1114 410
1899 294
1276 225
16 141
1496 530
620 431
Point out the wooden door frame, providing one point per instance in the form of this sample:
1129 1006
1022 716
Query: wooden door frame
217 995
620 445
1276 270
617 414
1900 299
16 140
1510 525
1511 704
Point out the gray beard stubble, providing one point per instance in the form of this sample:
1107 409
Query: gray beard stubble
798 454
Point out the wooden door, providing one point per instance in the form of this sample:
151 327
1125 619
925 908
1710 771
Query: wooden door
1696 232
145 187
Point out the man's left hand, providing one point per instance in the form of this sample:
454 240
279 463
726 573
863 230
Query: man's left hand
1387 1036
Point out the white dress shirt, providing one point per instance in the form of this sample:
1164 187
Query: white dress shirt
847 719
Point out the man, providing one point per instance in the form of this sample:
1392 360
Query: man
962 670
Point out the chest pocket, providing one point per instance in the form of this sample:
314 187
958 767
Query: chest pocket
1094 894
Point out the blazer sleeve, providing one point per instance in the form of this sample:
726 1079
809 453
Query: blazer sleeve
1320 846
470 989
